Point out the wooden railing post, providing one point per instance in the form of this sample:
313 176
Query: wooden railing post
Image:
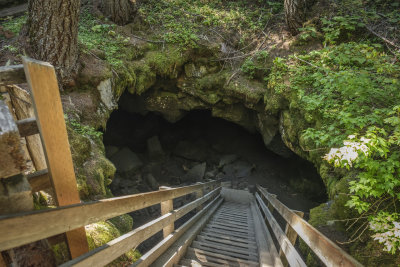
199 194
49 113
166 207
292 236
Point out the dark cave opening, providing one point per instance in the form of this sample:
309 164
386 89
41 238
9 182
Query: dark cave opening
199 138
149 152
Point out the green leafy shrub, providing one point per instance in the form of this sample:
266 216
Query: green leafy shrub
94 34
188 22
350 96
340 25
83 129
14 25
255 65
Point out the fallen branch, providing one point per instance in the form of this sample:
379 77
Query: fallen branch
383 38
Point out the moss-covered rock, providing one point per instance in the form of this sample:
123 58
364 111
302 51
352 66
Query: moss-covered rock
100 233
94 172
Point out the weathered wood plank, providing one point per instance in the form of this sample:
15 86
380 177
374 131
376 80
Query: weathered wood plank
166 207
113 249
226 237
291 254
198 252
22 103
12 160
176 251
194 263
39 180
43 83
224 252
220 247
267 253
46 223
226 242
153 254
12 75
233 234
329 253
240 231
291 235
27 127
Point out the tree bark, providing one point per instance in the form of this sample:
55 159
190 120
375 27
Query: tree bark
52 31
295 13
119 11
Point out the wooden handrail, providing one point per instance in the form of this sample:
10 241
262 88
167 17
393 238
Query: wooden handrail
291 254
23 228
327 251
115 248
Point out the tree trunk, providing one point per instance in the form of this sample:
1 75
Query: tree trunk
119 11
295 12
52 31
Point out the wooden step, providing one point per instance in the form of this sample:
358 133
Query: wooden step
246 253
238 235
226 242
233 226
236 230
224 252
197 253
194 263
220 259
226 237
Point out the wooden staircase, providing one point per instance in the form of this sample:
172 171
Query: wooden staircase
227 227
227 240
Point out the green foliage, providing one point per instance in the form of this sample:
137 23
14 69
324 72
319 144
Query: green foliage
255 64
14 25
340 25
351 94
307 33
83 129
188 22
387 230
96 35
11 48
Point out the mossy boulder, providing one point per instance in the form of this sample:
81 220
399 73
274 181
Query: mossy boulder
100 233
94 172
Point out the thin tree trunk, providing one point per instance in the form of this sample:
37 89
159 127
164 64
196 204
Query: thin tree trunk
52 31
119 11
295 13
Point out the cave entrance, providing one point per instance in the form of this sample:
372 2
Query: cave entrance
149 151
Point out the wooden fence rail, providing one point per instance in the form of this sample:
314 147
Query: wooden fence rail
110 251
327 251
23 228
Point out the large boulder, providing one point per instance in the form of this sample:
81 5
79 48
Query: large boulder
195 174
154 148
196 151
151 181
227 159
126 161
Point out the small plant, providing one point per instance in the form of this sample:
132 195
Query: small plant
340 25
10 48
307 33
255 64
83 129
101 36
14 25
